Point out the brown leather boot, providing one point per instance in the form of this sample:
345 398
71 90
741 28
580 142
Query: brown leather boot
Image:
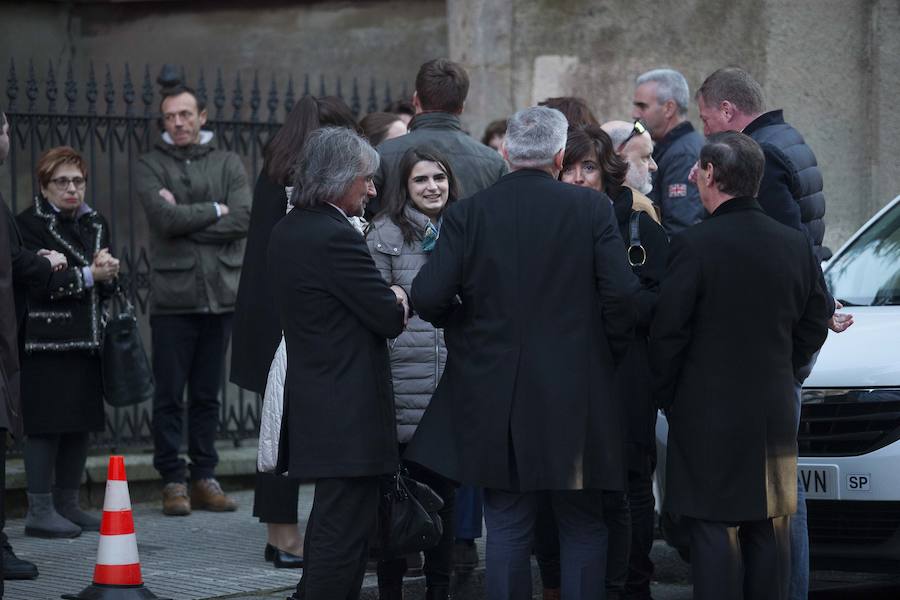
175 500
207 494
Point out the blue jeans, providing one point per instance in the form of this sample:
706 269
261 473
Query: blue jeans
799 548
468 516
510 519
800 532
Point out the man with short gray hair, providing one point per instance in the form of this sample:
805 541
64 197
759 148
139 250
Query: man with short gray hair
337 314
530 282
661 100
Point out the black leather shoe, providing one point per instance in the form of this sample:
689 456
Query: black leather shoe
269 553
16 568
286 560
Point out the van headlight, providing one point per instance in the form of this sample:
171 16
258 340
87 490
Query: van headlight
848 395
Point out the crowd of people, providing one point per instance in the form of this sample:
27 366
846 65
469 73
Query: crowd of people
503 317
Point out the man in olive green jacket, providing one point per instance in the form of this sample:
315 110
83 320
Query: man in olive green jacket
197 202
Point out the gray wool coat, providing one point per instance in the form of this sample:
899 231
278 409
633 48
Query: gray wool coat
418 355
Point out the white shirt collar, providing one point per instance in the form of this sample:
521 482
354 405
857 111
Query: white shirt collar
205 137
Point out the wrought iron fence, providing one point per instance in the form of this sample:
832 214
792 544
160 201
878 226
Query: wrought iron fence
112 122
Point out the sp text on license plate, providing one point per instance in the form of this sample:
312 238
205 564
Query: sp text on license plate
819 481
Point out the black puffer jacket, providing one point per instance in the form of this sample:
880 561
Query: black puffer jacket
804 179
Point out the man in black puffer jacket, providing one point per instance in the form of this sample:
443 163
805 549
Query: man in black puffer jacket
791 190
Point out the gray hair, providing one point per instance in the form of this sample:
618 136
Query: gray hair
618 132
332 158
534 136
670 85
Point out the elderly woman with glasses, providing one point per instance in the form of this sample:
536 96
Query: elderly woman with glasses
61 380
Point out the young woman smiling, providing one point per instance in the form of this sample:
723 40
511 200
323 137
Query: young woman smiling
400 240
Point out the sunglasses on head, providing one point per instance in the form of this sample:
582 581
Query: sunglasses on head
638 129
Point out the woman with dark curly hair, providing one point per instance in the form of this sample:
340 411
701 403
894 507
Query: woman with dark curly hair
61 378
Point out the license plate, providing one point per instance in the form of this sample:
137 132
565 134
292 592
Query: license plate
819 481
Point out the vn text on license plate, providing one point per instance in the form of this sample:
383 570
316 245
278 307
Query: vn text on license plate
819 481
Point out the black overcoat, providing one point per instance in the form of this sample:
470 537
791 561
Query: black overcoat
529 279
64 325
256 331
337 314
740 311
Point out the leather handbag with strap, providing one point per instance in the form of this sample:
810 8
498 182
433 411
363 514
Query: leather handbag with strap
127 376
407 516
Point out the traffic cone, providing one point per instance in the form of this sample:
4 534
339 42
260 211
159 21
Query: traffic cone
117 574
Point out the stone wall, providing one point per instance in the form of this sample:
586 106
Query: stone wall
383 39
832 65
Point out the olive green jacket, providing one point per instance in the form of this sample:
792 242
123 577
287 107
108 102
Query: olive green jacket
195 255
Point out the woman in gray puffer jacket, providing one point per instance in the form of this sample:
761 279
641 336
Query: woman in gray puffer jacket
400 239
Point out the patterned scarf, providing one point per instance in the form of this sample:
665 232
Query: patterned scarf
430 238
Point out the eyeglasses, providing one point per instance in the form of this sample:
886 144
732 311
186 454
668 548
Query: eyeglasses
63 183
638 129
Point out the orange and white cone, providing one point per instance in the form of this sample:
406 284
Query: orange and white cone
117 574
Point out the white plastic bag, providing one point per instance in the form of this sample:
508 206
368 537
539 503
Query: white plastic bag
272 411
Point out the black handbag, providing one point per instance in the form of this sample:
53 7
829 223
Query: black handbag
408 516
127 376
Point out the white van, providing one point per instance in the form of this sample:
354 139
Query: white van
850 419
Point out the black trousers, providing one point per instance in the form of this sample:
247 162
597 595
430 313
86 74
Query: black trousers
4 542
188 350
438 560
275 498
641 506
749 560
342 521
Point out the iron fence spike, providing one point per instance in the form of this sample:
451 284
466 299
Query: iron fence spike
91 90
237 100
12 85
289 95
147 96
354 98
201 87
219 97
373 100
71 90
31 87
51 88
273 100
128 92
255 97
109 91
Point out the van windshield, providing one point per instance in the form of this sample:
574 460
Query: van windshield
868 272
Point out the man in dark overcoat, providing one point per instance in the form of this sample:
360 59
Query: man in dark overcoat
337 313
734 326
530 281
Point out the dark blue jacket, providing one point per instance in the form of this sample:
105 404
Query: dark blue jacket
791 172
678 199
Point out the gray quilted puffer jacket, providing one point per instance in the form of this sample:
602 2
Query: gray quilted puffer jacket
419 354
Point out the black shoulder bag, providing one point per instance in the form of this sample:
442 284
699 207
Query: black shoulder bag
407 515
127 376
636 253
